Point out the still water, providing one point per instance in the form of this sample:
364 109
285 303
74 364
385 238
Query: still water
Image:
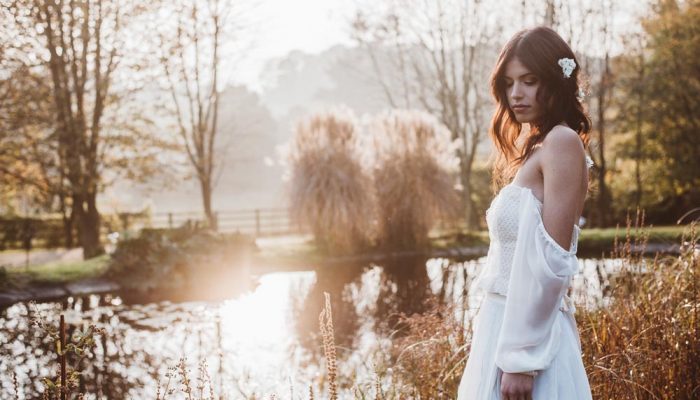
261 341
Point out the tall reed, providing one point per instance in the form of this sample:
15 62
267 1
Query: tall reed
641 342
330 189
414 177
325 321
429 357
645 343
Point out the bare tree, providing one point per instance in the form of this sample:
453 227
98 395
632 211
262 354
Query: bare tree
599 16
550 13
629 118
434 55
568 18
78 45
29 160
640 63
192 61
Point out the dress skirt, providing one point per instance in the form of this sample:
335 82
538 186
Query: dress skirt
565 379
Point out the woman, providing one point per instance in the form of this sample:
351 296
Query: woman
525 343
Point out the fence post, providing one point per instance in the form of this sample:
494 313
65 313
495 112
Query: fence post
216 221
257 222
170 220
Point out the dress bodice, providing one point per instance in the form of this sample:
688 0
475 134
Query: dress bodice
502 220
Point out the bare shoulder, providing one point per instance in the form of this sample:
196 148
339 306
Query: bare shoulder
562 138
562 145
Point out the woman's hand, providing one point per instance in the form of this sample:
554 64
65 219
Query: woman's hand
516 386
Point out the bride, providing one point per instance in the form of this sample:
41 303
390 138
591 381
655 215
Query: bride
525 343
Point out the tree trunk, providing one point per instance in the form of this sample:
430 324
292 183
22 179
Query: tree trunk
92 245
466 192
88 222
603 195
604 198
67 218
206 187
549 14
470 208
638 133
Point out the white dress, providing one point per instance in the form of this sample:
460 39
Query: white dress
526 321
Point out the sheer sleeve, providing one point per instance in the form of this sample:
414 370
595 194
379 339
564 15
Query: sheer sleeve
540 276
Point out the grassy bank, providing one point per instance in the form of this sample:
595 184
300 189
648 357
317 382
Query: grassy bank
55 272
298 252
592 241
658 234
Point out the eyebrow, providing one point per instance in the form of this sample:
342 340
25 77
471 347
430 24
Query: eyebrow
521 76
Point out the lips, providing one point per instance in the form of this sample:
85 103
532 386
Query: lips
520 108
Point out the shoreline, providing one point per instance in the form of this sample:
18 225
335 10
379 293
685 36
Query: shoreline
261 264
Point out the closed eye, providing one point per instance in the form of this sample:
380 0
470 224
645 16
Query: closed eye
529 83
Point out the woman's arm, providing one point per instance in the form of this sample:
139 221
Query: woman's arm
563 166
542 266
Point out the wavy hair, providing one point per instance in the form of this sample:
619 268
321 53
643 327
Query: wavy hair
538 49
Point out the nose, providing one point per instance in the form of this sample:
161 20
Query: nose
515 91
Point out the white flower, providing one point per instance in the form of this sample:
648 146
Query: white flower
567 66
581 95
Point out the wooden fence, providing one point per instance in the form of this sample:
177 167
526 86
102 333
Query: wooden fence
48 231
255 222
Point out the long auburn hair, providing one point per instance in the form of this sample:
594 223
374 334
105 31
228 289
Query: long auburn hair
539 50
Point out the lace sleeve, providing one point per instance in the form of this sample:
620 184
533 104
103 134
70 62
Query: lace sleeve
540 276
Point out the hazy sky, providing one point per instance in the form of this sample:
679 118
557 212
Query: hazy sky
277 27
281 26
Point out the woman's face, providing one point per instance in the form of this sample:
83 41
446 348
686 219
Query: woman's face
521 91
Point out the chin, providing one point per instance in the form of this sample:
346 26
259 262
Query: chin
523 120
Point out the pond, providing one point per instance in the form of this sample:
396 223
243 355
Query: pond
262 340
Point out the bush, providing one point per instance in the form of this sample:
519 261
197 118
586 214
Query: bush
171 258
148 261
330 190
414 178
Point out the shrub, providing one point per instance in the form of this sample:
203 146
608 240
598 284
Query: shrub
330 190
171 258
148 261
414 177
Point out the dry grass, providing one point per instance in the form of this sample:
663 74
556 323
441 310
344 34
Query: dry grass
203 390
644 344
330 190
325 321
430 356
414 178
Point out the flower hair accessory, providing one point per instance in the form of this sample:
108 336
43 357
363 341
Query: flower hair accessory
567 66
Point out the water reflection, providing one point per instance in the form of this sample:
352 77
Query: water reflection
338 281
264 340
